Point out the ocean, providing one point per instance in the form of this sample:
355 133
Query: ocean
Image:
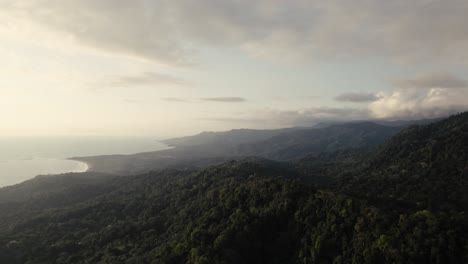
24 158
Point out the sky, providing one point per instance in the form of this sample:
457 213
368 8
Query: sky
168 68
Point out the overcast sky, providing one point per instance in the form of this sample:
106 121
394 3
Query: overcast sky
176 67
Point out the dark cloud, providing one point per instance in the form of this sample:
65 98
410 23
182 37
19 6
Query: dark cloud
357 97
434 80
224 99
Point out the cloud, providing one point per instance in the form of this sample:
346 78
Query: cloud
356 97
426 103
208 99
426 96
292 98
433 80
142 79
176 99
224 99
171 31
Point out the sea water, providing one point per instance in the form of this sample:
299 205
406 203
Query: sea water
24 158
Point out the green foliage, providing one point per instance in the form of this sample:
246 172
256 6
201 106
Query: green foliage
240 212
423 166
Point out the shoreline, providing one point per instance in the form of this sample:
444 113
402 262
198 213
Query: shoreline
87 164
86 167
18 175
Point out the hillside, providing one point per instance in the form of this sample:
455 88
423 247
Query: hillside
239 212
41 193
426 165
299 144
46 184
229 138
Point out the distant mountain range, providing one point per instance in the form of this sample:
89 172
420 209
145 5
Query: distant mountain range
229 138
244 136
210 148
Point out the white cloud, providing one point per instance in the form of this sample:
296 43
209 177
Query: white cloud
430 95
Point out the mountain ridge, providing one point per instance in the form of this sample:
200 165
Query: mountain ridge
294 149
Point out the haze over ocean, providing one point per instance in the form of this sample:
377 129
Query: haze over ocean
24 158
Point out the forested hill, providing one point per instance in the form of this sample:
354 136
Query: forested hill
311 142
239 212
425 165
32 197
398 206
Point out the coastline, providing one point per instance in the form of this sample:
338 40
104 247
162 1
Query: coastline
80 161
88 164
30 157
